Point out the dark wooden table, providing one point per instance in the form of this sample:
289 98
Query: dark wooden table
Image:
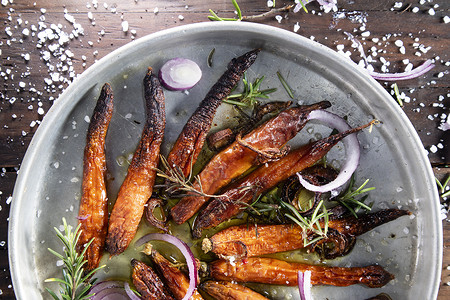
29 84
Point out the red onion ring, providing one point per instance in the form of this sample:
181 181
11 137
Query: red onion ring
414 73
129 292
179 74
351 148
304 285
107 284
185 250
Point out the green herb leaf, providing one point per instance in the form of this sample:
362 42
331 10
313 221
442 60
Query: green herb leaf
73 286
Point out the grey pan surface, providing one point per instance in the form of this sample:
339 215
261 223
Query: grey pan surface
49 183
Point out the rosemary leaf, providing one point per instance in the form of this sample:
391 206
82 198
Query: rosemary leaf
285 85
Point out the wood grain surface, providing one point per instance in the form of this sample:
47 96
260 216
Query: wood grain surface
26 94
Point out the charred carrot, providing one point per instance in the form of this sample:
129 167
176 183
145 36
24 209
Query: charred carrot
240 156
138 184
224 290
93 212
176 281
261 180
244 241
191 139
274 271
147 282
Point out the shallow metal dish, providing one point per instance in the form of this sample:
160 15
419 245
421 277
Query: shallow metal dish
48 186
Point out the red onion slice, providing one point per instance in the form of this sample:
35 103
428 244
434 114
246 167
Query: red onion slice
304 285
107 284
351 148
114 293
129 292
179 74
414 73
185 250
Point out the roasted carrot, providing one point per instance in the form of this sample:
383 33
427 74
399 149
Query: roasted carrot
176 281
274 271
225 290
147 282
244 241
191 139
261 180
138 184
239 156
93 212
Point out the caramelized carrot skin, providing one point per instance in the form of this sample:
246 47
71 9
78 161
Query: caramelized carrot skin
191 139
175 280
147 282
93 212
259 181
274 271
237 159
138 184
247 241
224 290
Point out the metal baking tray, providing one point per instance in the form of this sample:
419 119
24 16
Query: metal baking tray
49 183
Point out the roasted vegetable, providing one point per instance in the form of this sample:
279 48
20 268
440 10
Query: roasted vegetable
274 271
261 180
240 156
220 139
176 281
93 212
191 139
224 290
244 241
150 206
138 184
147 282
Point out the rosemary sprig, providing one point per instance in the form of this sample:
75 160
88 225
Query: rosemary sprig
74 286
349 200
250 94
311 224
443 187
215 17
175 181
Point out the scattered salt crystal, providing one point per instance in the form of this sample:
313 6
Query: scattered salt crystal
125 26
415 9
398 43
270 3
74 180
340 47
26 32
433 149
446 19
8 200
40 111
278 18
22 84
365 34
90 16
180 17
43 10
431 12
56 165
59 263
4 2
87 119
156 10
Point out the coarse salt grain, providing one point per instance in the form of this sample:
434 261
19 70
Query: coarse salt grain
446 19
125 26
